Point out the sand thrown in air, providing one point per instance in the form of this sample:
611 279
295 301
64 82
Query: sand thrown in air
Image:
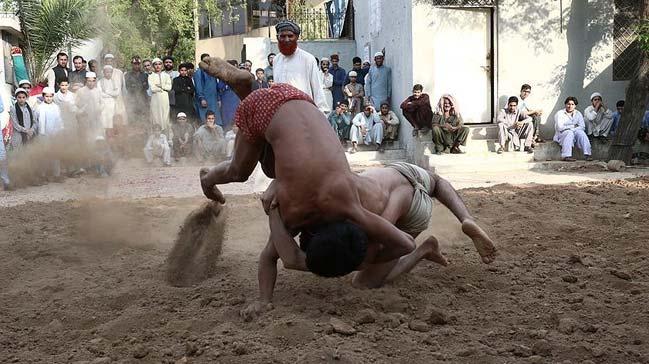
197 246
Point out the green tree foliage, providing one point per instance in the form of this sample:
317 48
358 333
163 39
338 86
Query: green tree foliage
52 25
155 28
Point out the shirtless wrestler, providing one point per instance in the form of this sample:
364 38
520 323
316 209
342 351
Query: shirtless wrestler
402 194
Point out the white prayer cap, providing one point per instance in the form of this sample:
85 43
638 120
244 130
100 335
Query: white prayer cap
19 90
91 75
99 138
108 55
156 60
48 90
594 95
324 59
181 115
108 67
378 54
22 82
353 74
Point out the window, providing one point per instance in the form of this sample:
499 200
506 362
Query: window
234 22
626 52
265 13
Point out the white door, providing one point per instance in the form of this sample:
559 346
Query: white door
462 52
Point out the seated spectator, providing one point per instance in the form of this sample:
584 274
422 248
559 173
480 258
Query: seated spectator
209 141
570 130
341 120
515 125
230 137
390 122
270 81
260 80
617 115
527 110
50 126
367 127
4 166
103 159
598 117
449 131
182 137
417 110
157 146
355 94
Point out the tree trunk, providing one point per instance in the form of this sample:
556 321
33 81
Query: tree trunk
174 44
634 107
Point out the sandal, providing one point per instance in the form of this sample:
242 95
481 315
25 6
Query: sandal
569 159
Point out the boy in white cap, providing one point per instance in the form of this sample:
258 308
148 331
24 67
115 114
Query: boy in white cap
378 82
182 133
157 146
50 125
32 100
23 119
89 108
598 117
355 94
160 83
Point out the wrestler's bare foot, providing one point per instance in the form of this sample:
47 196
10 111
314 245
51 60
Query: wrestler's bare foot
254 310
431 245
483 244
240 80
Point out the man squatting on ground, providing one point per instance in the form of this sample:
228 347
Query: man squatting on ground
322 198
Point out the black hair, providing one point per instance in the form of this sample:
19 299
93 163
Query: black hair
208 113
384 104
64 79
270 78
168 58
204 55
344 102
270 54
356 60
259 69
247 60
77 57
418 87
619 103
61 54
526 87
512 99
233 62
571 98
182 65
334 249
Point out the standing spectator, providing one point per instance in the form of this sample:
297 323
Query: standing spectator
59 72
183 87
355 94
23 120
247 65
598 117
92 66
206 93
64 98
417 110
168 63
4 167
148 66
182 136
570 130
297 67
190 69
368 128
390 122
85 65
341 120
77 78
378 83
120 86
617 115
270 81
514 124
327 82
137 84
229 103
359 70
89 108
340 76
268 71
160 84
50 124
527 110
157 146
448 127
209 141
32 99
110 92
260 80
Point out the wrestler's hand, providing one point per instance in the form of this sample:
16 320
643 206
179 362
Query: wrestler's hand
254 309
210 190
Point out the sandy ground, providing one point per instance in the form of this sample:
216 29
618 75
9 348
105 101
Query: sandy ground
83 281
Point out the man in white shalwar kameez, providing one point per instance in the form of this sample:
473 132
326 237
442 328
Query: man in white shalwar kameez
89 107
157 146
598 117
160 84
120 83
109 94
570 131
64 98
50 125
368 128
297 67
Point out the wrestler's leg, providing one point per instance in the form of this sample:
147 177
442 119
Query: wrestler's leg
240 80
444 192
244 160
378 274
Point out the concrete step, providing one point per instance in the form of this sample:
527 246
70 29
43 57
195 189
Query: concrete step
460 163
369 157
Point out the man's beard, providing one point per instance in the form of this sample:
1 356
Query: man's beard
169 68
287 48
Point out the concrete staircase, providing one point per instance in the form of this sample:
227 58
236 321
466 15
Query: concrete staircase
367 156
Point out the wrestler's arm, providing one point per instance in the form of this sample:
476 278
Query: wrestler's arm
289 252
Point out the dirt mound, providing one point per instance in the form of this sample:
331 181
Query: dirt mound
198 246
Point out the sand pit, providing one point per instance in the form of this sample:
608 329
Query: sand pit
569 286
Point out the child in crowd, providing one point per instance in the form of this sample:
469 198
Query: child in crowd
209 141
230 136
158 146
182 133
103 157
4 167
50 126
23 119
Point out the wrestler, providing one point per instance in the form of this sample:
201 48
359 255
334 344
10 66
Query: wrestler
402 194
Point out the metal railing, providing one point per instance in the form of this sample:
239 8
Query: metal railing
316 24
